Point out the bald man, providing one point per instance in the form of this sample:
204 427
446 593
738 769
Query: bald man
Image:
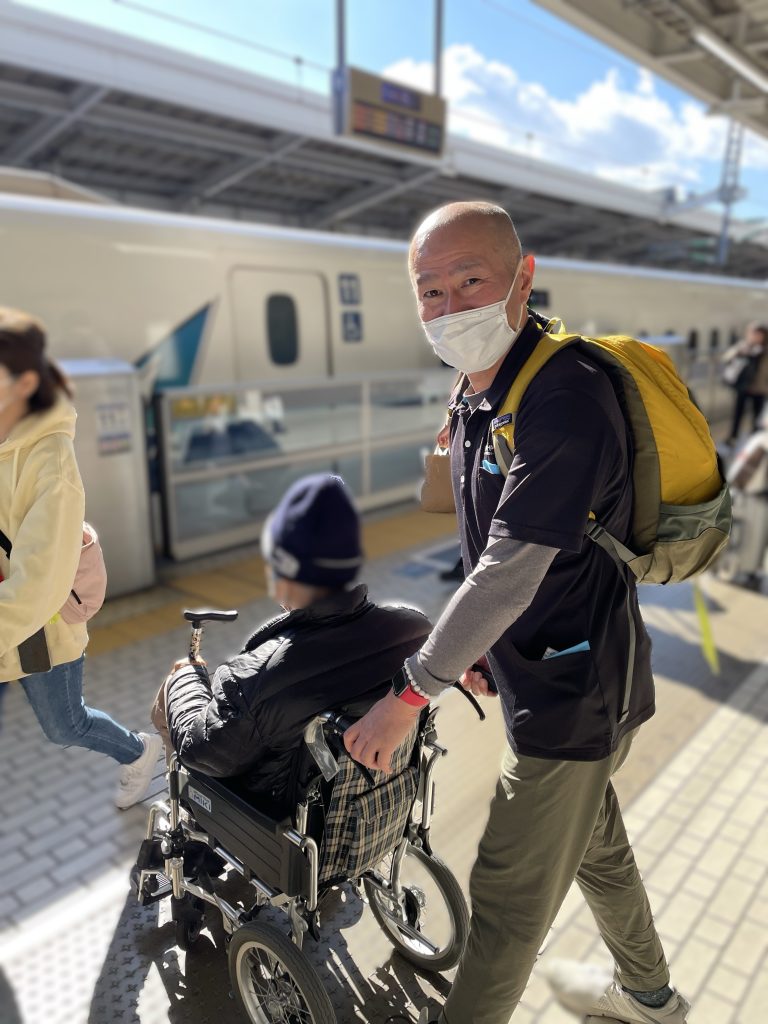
551 613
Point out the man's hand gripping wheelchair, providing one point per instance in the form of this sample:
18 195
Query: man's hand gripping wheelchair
349 826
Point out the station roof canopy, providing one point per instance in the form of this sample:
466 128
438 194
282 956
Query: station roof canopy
715 49
147 125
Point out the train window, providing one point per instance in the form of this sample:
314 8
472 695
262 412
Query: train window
693 339
539 298
714 338
282 330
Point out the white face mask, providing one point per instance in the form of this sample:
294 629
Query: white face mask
474 339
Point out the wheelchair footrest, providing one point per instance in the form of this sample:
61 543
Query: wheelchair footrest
165 889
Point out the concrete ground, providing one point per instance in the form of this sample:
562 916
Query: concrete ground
75 947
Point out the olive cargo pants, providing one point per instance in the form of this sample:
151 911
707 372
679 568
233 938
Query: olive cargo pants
550 822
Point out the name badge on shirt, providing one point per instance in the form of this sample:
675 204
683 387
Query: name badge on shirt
502 421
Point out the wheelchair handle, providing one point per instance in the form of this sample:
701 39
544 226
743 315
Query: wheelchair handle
487 676
197 618
470 697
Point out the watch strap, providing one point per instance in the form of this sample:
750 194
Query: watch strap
412 698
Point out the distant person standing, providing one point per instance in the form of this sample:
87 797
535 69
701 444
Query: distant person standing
41 515
746 370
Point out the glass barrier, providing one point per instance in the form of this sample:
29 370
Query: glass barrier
228 454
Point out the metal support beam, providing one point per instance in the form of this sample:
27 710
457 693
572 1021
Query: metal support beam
730 192
232 173
595 235
686 56
341 35
369 195
729 185
438 47
755 105
644 242
39 135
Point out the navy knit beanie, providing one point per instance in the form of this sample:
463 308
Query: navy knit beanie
313 535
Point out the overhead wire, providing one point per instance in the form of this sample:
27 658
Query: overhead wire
211 30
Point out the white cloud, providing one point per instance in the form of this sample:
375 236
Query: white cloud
621 131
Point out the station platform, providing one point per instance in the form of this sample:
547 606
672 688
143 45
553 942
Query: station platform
76 948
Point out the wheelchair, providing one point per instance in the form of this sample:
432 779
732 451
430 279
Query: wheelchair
349 825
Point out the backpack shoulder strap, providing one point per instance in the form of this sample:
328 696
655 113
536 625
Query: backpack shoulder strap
503 426
5 544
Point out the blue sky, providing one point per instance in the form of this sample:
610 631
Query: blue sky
515 77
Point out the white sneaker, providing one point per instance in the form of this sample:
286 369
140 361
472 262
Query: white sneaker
134 778
596 994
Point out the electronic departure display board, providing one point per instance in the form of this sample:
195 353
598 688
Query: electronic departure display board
369 107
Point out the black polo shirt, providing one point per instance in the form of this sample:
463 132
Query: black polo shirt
572 456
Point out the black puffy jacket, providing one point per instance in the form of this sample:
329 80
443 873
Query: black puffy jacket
337 654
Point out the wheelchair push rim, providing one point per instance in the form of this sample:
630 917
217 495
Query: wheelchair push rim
430 927
273 982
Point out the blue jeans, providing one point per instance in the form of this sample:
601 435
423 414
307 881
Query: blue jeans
56 697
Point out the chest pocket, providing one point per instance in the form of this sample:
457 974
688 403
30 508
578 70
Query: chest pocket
487 485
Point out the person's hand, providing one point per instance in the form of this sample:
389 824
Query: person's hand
444 436
379 733
183 662
476 682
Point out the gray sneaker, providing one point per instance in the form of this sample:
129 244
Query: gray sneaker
596 994
135 777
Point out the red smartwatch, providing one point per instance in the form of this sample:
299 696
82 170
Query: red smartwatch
401 687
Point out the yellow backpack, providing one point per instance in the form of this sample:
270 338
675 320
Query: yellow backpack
681 518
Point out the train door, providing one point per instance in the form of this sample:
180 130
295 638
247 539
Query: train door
280 322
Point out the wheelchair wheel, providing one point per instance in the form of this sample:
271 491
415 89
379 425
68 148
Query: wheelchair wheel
189 917
434 907
272 981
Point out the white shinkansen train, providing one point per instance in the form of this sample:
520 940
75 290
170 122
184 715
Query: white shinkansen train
191 300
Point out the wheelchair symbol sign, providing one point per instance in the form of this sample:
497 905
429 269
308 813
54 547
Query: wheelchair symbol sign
352 326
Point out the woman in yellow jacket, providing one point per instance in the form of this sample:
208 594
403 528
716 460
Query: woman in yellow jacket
41 513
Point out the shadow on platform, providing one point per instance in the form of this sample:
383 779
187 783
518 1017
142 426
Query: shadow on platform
145 977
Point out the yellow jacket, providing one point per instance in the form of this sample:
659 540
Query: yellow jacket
41 512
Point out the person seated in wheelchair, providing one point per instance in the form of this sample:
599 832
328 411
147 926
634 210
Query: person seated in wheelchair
331 649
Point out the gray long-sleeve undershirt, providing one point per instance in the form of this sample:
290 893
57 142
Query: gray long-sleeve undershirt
493 596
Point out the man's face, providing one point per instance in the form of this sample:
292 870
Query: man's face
456 268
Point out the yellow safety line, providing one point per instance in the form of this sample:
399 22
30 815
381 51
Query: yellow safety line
708 645
235 585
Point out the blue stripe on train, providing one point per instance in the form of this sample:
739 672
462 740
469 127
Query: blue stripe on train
174 357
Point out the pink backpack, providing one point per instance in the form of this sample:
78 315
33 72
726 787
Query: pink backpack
90 584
